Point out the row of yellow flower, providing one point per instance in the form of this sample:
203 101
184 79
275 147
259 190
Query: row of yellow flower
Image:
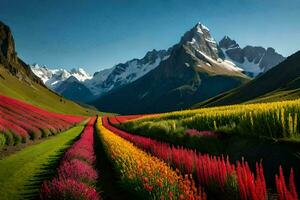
275 120
146 175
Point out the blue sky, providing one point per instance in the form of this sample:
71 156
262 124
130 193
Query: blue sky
100 34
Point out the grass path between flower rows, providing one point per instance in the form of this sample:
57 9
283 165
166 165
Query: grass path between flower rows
22 173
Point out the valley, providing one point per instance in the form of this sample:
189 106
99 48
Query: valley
199 119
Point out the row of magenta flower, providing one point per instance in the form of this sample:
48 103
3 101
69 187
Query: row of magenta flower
76 176
216 174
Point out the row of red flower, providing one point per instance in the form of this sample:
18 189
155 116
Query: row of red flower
123 118
20 121
217 174
76 178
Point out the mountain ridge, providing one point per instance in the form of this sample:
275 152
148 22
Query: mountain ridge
252 59
213 58
277 83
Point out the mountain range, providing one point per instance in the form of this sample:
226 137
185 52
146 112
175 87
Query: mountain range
226 54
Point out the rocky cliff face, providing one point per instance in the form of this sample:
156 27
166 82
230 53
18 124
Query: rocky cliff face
9 59
200 39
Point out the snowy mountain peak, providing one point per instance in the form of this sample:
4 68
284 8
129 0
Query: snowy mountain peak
54 77
201 26
200 39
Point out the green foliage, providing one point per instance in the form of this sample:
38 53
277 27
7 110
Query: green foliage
46 133
9 138
2 140
34 135
18 139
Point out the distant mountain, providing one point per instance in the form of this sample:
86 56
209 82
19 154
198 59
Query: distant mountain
279 83
253 60
19 82
54 77
102 81
193 71
68 83
73 89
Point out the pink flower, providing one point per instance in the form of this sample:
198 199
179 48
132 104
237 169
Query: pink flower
77 170
67 189
194 132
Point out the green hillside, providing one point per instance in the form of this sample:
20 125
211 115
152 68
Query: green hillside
38 95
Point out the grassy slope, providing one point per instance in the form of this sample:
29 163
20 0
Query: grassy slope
22 172
39 96
277 95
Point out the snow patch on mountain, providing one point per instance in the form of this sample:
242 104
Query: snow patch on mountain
226 64
125 73
246 66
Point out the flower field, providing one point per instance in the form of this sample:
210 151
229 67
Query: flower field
147 175
20 122
76 176
216 174
156 167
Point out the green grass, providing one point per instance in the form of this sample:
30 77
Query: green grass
39 96
22 173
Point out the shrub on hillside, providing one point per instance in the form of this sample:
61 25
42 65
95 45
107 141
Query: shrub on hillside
9 138
18 139
46 133
35 134
2 140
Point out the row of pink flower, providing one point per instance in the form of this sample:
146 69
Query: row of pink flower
76 177
195 132
25 121
215 173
